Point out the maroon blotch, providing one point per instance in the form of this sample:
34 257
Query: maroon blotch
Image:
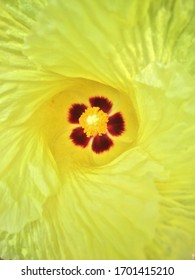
75 112
102 102
79 138
116 124
101 144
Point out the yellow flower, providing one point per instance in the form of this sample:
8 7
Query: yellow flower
124 190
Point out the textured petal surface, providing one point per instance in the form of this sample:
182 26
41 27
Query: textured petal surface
90 226
167 135
111 42
134 201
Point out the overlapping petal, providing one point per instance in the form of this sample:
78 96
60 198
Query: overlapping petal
136 202
134 41
97 207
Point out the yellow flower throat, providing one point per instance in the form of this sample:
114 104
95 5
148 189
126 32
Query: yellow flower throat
94 121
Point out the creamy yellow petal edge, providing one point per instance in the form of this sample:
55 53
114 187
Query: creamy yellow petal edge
138 206
110 42
91 220
167 135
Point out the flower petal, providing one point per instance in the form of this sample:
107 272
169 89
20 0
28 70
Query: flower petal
117 42
102 102
17 19
91 217
116 124
79 138
22 199
107 27
146 198
101 144
75 112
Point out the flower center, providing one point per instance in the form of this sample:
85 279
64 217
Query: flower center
94 121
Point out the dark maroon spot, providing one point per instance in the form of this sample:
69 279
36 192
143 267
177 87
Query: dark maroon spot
75 112
101 144
79 138
116 124
102 102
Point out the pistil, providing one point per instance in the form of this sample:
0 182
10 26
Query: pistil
94 121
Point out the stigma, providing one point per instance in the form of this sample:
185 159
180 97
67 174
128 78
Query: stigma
94 121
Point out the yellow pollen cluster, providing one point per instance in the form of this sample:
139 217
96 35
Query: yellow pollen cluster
94 121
